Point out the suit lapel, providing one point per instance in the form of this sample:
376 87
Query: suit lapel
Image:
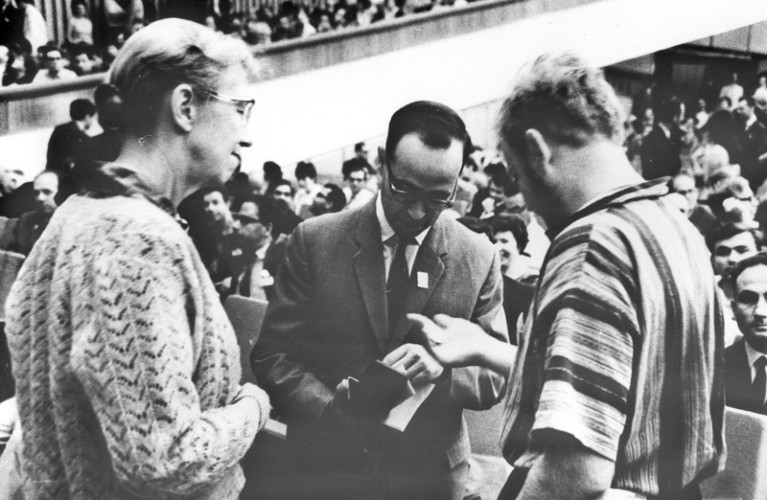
429 263
369 268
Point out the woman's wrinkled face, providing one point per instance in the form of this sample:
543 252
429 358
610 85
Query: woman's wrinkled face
221 129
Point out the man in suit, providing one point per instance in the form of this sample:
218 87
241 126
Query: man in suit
754 143
746 358
335 312
67 139
660 149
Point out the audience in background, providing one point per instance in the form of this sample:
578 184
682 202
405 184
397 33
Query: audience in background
53 70
80 30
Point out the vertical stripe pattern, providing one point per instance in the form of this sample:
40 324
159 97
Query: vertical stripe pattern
623 348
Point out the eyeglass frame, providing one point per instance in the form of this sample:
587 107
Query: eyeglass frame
243 106
411 197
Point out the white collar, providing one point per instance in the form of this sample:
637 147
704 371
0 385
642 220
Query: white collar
665 129
261 252
752 354
751 120
386 230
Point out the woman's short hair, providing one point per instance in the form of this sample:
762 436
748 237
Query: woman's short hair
166 54
567 100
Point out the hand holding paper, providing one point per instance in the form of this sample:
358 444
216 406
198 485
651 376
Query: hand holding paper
419 366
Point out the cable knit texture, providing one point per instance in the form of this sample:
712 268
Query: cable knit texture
126 365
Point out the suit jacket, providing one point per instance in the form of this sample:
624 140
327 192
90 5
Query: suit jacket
739 390
754 143
660 155
329 320
65 143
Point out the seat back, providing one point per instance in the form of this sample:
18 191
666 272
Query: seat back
246 315
745 473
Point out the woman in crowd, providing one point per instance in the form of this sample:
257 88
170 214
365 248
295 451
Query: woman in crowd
127 368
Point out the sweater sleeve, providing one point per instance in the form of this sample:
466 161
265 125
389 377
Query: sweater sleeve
136 356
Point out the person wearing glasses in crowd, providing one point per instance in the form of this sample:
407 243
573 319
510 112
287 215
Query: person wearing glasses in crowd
53 64
356 177
127 369
340 303
746 359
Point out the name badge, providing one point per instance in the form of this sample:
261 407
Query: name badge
423 279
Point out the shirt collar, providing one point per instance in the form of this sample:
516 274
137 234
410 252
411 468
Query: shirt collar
386 230
751 120
261 252
752 354
617 197
665 129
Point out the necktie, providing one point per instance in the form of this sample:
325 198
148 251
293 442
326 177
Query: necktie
760 381
397 282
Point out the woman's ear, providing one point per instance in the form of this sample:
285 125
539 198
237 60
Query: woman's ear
183 107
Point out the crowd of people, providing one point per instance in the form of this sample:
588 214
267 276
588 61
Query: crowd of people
29 55
600 276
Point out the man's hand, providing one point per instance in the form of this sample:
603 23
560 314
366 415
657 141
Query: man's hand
456 342
416 362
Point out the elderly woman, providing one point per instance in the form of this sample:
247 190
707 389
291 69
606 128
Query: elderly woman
127 368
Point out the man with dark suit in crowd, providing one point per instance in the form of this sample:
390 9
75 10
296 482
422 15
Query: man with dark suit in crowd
753 138
746 359
341 299
660 149
254 258
68 138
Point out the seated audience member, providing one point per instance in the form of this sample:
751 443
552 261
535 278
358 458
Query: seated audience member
753 142
356 177
53 69
502 193
306 176
104 147
483 184
510 238
80 26
18 197
32 224
729 244
330 200
734 202
83 61
660 148
210 231
254 258
272 175
67 139
360 155
283 190
700 215
20 68
746 359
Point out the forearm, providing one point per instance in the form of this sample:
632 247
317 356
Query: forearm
568 472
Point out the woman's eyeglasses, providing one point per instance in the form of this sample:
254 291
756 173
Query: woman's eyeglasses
243 106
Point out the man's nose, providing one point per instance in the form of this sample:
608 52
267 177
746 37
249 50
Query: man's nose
416 210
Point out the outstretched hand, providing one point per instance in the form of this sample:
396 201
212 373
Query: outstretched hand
454 342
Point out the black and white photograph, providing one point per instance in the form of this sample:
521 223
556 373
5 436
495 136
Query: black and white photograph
383 249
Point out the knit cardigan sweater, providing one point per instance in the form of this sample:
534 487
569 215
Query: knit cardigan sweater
126 366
